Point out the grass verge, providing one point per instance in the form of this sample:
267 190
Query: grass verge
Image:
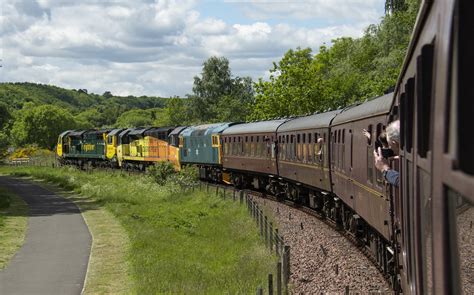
180 242
13 224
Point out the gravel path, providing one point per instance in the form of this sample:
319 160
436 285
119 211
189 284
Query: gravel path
322 260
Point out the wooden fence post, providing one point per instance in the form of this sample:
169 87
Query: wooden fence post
261 222
271 237
286 265
278 279
277 242
259 291
270 284
266 231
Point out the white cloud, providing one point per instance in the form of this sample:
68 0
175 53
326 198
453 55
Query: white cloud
358 10
148 47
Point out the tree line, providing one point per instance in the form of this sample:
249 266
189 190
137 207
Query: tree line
348 71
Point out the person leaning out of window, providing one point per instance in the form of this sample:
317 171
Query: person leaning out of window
381 163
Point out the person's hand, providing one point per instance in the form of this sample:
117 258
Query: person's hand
366 133
380 162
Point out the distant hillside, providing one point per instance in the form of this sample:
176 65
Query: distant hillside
15 95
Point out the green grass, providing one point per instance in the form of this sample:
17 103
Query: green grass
180 242
13 224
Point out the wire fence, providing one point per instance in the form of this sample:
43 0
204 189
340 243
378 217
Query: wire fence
41 161
277 282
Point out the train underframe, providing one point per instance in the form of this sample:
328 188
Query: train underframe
87 163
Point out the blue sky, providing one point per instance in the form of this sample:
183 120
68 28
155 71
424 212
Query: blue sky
156 47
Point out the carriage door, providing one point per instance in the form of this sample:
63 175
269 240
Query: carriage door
415 178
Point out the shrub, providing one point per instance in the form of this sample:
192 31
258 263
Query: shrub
161 171
186 178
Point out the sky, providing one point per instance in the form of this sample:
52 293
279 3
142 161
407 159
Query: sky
156 47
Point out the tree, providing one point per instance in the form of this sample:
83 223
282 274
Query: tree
134 118
392 6
351 70
215 85
5 121
41 125
293 87
177 112
91 118
107 94
5 115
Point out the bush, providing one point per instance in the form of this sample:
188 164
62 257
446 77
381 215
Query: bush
186 178
161 171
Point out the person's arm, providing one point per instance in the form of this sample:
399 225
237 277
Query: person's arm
381 164
391 176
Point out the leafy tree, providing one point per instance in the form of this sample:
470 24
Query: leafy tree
134 118
91 118
351 70
41 125
107 94
392 6
216 85
176 112
5 115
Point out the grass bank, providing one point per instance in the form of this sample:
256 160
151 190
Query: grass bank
13 224
180 242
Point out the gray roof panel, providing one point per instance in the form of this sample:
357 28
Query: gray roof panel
114 132
256 127
378 106
138 131
177 130
309 122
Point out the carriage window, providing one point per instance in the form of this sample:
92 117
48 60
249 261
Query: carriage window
402 120
409 105
369 130
462 211
352 146
109 139
343 151
423 98
464 62
378 174
370 157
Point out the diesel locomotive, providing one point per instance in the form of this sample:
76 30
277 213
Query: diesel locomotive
421 232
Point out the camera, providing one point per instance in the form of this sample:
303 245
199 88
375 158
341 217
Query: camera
387 153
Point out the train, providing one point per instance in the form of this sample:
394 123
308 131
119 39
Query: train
419 233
